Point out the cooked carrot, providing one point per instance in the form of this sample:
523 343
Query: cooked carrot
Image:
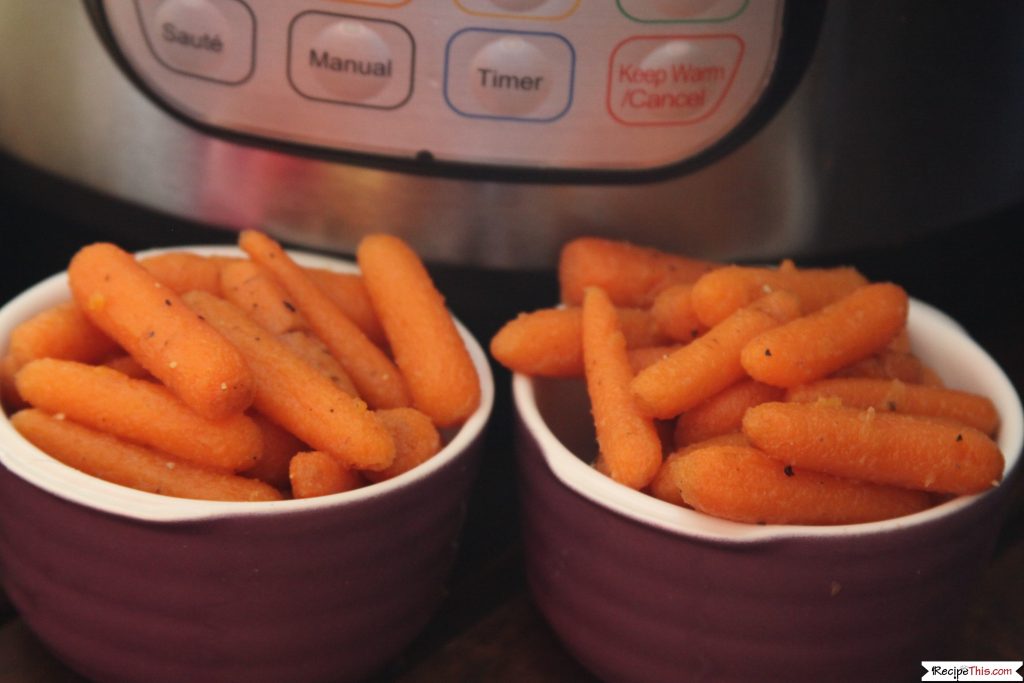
378 380
315 473
416 441
109 458
885 448
719 293
960 406
710 363
139 411
548 342
10 400
316 354
673 312
664 486
723 412
255 291
631 275
149 320
818 344
62 331
745 485
348 292
184 271
644 357
426 344
279 446
628 443
295 395
887 364
127 365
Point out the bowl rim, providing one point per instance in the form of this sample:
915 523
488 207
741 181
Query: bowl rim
32 465
930 328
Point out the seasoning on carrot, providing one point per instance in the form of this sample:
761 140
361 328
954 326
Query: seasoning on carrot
139 411
629 446
416 441
150 322
645 356
885 448
719 293
316 354
745 485
631 275
426 344
548 342
107 457
255 291
378 380
664 486
295 395
315 473
348 292
711 362
816 345
960 406
674 313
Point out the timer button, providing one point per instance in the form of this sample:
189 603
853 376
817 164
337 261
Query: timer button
509 74
351 60
209 39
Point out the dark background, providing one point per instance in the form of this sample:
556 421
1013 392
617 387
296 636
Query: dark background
488 628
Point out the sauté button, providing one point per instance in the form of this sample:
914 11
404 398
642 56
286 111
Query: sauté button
210 39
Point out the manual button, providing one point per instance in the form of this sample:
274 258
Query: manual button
351 60
208 39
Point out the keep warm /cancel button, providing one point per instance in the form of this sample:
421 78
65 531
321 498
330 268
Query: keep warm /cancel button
671 80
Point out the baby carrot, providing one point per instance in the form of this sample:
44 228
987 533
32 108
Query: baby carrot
109 458
10 400
723 412
818 344
711 362
255 291
127 365
646 356
315 473
664 486
745 485
673 312
378 380
428 349
348 292
717 294
631 275
139 411
279 445
885 448
960 406
62 331
548 342
887 364
316 354
150 322
416 441
184 271
295 395
629 445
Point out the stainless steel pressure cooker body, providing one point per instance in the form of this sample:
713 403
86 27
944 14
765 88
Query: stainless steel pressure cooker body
490 131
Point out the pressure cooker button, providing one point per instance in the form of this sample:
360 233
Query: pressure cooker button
351 60
682 10
671 80
509 74
210 39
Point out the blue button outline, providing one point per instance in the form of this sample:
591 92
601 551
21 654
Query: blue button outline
495 117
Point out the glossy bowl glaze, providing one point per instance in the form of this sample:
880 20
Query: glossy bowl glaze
124 585
640 590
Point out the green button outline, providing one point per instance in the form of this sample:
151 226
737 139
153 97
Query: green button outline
717 20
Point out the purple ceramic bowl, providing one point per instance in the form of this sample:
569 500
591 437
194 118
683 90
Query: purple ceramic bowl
124 585
641 590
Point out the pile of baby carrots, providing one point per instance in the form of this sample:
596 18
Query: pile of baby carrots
763 395
250 379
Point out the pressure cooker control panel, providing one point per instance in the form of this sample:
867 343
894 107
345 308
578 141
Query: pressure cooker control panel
554 84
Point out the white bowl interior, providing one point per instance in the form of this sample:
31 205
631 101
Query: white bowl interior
28 462
556 413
